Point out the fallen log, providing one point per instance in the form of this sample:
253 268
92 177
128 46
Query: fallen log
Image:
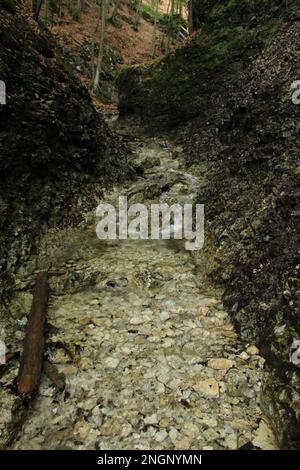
32 357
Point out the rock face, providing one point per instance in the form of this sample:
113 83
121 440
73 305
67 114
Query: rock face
53 144
249 150
234 80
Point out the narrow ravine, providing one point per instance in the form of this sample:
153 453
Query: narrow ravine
155 361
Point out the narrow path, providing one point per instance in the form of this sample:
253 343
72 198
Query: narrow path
157 361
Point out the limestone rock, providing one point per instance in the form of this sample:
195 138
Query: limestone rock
220 363
208 388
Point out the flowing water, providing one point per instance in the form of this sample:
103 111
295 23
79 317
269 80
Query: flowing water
151 358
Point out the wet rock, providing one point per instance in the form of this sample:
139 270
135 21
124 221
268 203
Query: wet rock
252 350
264 437
21 305
237 384
231 442
244 356
161 436
209 421
220 363
152 419
111 427
111 362
82 429
208 388
173 434
164 316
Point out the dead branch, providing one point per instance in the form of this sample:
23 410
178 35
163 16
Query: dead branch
32 356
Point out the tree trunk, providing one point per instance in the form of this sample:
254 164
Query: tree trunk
101 44
46 11
37 9
155 27
95 31
170 26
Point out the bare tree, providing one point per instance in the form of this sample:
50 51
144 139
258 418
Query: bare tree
155 4
36 8
104 5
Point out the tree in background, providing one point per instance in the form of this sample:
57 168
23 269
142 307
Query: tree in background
155 5
104 8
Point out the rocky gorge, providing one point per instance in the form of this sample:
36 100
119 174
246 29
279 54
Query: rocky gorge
159 347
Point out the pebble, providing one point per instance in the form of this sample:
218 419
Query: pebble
252 351
208 388
220 363
160 436
231 441
210 421
111 363
173 434
164 316
244 356
151 419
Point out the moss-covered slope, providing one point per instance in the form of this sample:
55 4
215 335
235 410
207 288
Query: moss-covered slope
186 83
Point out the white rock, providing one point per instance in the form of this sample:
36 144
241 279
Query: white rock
220 363
264 437
161 436
244 356
139 320
164 316
174 383
82 429
111 362
126 430
152 419
126 351
160 389
252 350
231 441
209 421
173 434
208 388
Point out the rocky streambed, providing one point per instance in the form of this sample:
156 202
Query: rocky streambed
150 356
